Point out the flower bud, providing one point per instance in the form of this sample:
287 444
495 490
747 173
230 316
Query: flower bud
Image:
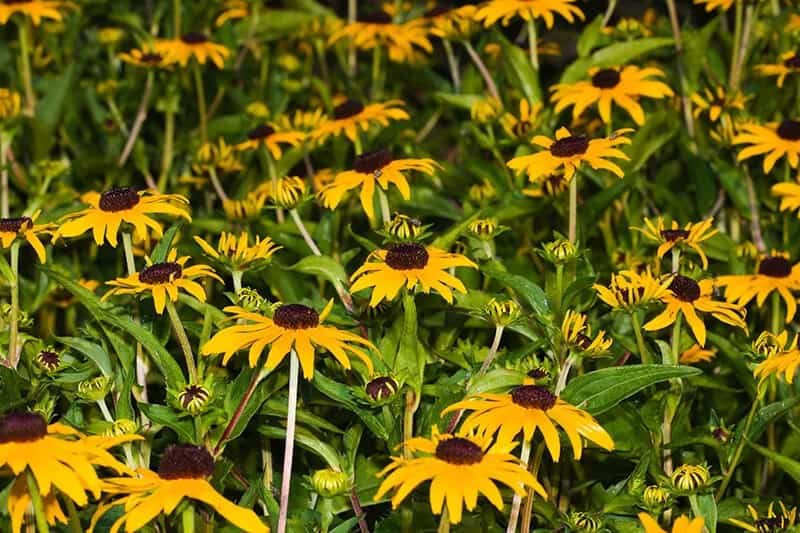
330 483
655 496
483 228
404 228
257 110
194 399
109 35
48 360
502 313
381 388
559 251
289 192
482 192
10 102
585 522
120 427
689 478
250 299
95 389
486 110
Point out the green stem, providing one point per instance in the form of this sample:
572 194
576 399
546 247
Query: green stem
13 338
676 260
737 455
288 450
201 101
4 189
127 245
38 504
377 89
112 106
166 157
444 522
183 340
74 519
273 178
187 519
775 313
257 377
212 174
176 14
24 56
533 48
573 209
737 37
301 227
487 77
676 341
559 287
237 280
527 511
455 75
644 354
357 145
385 209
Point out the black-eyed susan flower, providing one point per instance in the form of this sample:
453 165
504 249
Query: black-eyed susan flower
485 110
623 86
768 343
521 126
569 152
164 281
36 10
10 102
717 101
789 64
238 253
687 296
402 41
145 57
460 467
182 474
692 236
267 137
25 228
771 522
681 525
288 192
494 10
60 459
109 210
247 208
577 335
547 186
219 157
789 193
529 408
409 265
404 228
773 139
773 273
351 116
20 503
378 167
291 327
195 45
630 289
451 23
697 354
300 121
783 362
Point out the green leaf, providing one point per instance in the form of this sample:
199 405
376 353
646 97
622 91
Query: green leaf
589 36
525 288
323 266
50 109
790 466
161 414
520 72
705 505
496 380
599 391
342 394
464 101
278 408
613 55
762 418
309 441
409 363
93 351
161 250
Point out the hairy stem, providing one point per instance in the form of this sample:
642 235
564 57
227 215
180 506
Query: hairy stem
183 340
288 451
513 516
255 379
138 122
487 77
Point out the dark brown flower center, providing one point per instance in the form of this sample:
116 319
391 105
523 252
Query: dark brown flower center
775 266
13 225
533 397
459 451
295 316
22 427
583 341
372 162
792 62
183 461
119 199
379 17
673 235
438 10
570 146
261 132
407 256
151 57
347 109
771 524
194 37
684 289
49 360
160 273
538 373
607 78
192 394
522 128
10 2
789 130
381 387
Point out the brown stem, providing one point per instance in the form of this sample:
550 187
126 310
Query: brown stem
359 512
254 380
487 77
138 122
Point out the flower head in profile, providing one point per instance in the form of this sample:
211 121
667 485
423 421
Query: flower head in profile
630 289
192 45
772 140
351 116
697 354
521 126
248 208
145 57
10 104
768 344
577 335
36 10
789 64
529 408
783 520
164 280
25 228
622 86
681 525
266 136
219 157
238 253
547 186
494 10
182 474
782 357
379 168
403 41
451 23
460 467
409 265
774 273
233 10
789 193
691 236
717 102
60 459
292 327
687 296
109 210
569 152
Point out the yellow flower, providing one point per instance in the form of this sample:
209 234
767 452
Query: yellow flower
460 467
10 102
790 64
502 312
60 459
110 36
630 289
631 28
192 45
691 235
774 273
623 86
404 228
687 296
292 327
569 151
266 136
402 41
288 191
793 23
301 121
789 193
528 408
247 208
182 474
494 10
717 101
772 522
35 9
551 185
486 109
371 168
451 23
233 10
164 280
237 253
408 265
681 525
25 228
785 363
107 211
350 116
146 57
219 156
776 140
697 354
577 335
521 127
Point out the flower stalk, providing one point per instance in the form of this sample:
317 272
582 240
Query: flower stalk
183 340
25 64
288 450
13 337
513 516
